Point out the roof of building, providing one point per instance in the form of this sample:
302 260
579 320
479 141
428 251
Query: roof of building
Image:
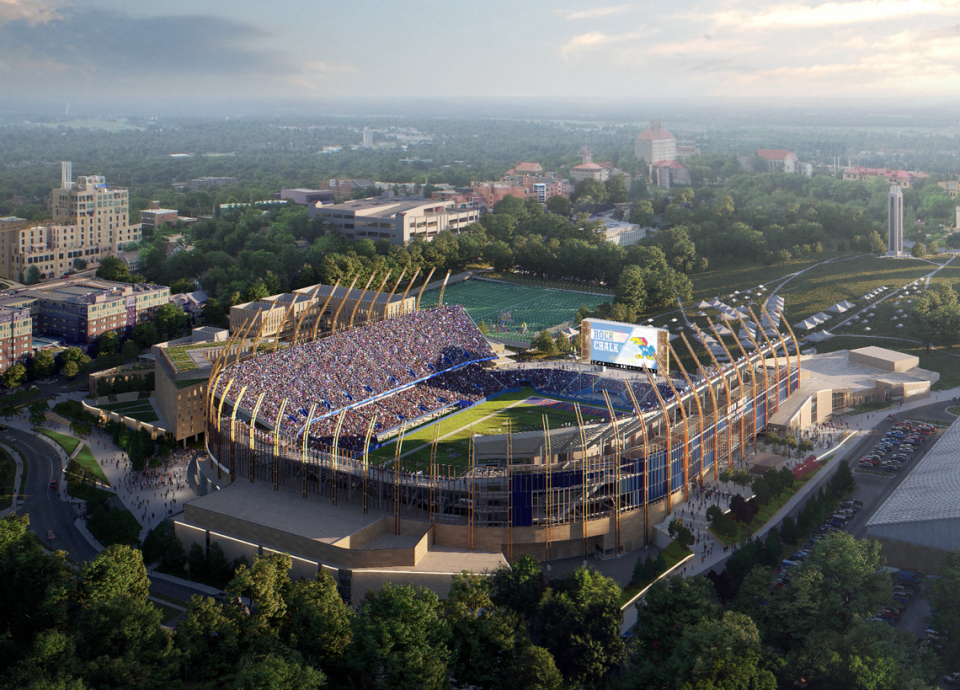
658 134
929 493
884 172
526 166
587 166
667 164
775 154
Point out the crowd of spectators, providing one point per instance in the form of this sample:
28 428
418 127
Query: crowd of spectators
358 365
402 371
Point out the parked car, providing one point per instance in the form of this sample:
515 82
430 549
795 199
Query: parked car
952 678
53 485
3 427
50 535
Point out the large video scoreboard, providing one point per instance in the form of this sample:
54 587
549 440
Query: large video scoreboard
623 345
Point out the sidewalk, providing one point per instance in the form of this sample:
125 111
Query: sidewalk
15 494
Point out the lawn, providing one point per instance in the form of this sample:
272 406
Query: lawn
87 461
454 449
955 410
68 443
8 473
169 612
723 277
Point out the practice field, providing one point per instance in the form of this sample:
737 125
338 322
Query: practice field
517 312
518 411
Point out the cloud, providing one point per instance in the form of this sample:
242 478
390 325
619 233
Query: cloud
797 15
594 12
596 39
31 11
92 44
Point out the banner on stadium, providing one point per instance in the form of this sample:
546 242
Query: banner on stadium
624 345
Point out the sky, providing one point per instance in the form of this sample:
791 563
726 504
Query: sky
207 50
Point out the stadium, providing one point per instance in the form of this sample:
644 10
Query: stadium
407 442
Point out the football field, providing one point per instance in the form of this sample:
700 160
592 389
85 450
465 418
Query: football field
521 411
517 312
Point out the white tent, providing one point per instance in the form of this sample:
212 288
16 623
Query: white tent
704 304
723 330
824 316
745 333
806 324
837 308
818 337
772 332
848 305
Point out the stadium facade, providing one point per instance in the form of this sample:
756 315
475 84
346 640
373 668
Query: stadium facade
580 491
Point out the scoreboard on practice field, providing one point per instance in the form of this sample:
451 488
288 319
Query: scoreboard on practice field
623 345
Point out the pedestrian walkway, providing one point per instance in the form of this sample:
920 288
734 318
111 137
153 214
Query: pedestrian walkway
151 495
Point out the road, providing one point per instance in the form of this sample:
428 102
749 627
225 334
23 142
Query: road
46 510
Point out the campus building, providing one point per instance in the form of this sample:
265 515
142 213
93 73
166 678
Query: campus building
902 178
16 336
655 144
90 221
397 220
81 309
100 212
315 309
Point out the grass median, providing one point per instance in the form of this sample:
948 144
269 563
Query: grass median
68 443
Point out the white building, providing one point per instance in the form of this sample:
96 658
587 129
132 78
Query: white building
655 144
396 219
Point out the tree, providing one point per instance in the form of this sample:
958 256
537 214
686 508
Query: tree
144 334
519 587
319 624
400 641
631 290
616 190
544 344
38 412
14 376
79 264
559 205
642 214
277 671
681 533
721 654
170 319
578 622
33 276
668 608
113 268
876 243
42 364
130 350
108 344
919 249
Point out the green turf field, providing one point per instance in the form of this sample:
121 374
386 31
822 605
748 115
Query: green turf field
536 307
486 419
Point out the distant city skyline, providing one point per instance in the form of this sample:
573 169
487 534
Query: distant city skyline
209 50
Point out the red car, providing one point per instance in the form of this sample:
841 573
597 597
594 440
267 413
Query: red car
53 485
